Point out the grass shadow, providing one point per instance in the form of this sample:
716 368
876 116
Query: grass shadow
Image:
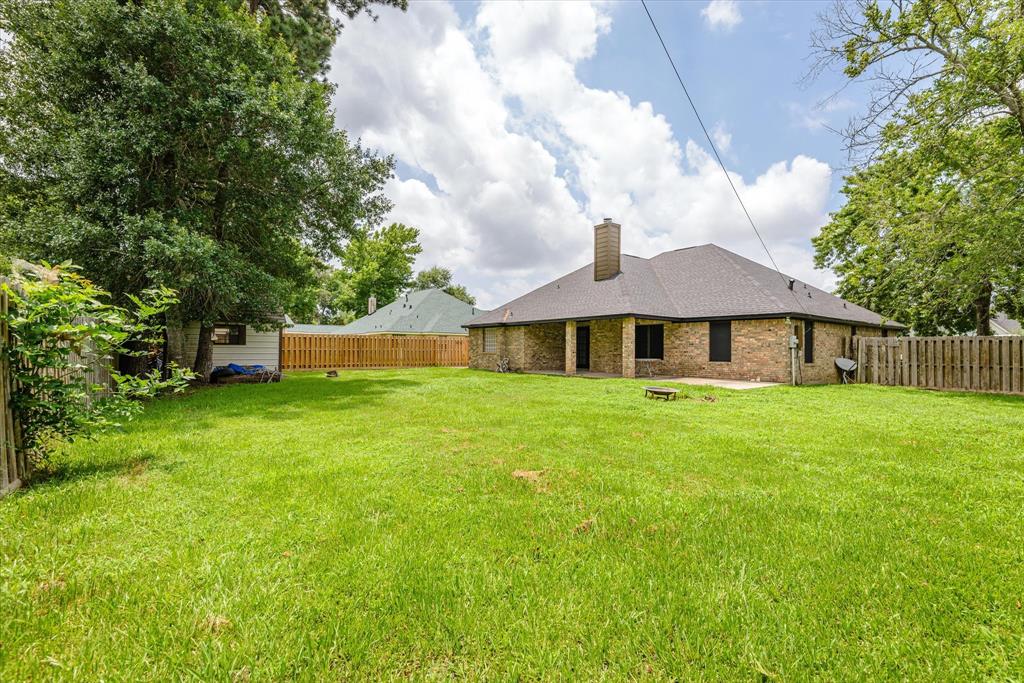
64 471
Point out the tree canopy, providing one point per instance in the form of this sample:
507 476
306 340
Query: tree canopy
932 230
174 144
438 277
309 27
374 263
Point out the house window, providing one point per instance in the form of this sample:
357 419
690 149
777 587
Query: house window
720 350
231 335
490 340
808 341
885 332
649 342
853 330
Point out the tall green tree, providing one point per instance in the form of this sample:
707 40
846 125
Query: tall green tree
174 143
379 264
932 232
439 277
374 263
310 27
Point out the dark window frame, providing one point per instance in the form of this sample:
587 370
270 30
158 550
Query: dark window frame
720 341
809 341
650 339
235 334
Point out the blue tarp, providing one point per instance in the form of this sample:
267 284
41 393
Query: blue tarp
239 370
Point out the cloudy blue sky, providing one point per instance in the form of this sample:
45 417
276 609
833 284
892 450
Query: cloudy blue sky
516 127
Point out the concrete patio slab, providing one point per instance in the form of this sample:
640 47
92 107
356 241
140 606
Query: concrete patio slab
720 383
695 381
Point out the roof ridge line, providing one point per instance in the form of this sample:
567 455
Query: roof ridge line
728 256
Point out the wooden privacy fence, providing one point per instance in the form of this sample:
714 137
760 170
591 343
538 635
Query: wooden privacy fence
13 462
352 351
94 369
959 363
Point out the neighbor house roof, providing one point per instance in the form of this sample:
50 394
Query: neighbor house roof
1004 325
302 328
425 311
696 283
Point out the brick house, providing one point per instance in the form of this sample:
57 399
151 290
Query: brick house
696 312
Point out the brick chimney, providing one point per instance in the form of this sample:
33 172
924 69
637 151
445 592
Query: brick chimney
371 305
607 247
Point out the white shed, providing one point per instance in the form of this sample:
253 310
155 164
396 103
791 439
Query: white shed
237 343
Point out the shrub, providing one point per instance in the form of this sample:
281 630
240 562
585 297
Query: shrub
60 326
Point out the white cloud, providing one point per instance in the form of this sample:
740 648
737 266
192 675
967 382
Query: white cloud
820 115
526 158
722 14
722 137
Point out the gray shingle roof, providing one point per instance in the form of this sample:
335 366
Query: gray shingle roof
425 311
303 328
696 283
1008 325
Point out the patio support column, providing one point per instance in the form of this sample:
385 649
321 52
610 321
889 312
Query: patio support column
570 347
628 345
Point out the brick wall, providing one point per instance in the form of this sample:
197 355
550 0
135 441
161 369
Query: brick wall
545 346
759 351
511 344
605 345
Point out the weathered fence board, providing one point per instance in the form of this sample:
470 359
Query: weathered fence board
354 351
13 465
994 364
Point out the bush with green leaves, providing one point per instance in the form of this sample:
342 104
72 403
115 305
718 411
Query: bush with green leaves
61 325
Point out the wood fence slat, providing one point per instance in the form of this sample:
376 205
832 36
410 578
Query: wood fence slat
877 364
984 358
916 360
1016 378
13 459
940 365
1004 364
861 370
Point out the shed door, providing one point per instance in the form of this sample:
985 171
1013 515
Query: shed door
583 347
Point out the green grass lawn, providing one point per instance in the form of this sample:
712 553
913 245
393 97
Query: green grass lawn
375 526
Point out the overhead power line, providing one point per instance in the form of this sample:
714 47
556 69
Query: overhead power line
718 156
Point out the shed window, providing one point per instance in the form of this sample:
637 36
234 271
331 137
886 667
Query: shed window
853 330
490 340
885 332
230 335
808 341
721 341
649 342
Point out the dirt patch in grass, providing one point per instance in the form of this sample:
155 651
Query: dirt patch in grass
584 526
216 623
533 477
55 584
528 475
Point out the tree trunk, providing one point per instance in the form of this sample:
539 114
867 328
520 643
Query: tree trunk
983 310
175 340
204 353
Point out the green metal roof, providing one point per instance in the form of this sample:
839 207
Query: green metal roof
425 311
